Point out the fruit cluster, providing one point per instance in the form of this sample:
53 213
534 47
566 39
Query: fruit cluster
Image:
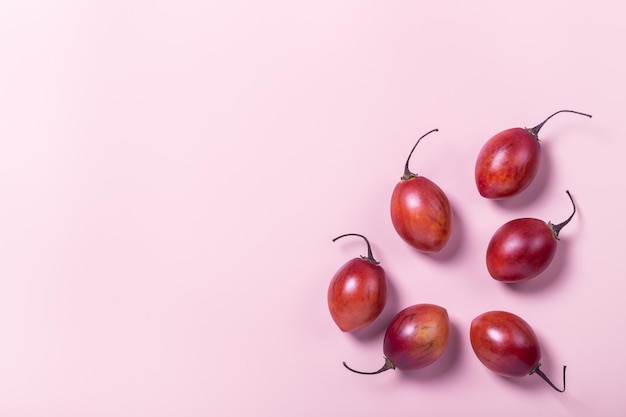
421 215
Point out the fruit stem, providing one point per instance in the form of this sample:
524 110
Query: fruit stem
543 376
556 228
535 130
407 173
369 257
388 365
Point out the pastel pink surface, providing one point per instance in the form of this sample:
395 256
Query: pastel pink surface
172 174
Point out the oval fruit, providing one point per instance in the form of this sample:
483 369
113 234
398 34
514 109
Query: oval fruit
415 338
420 211
508 162
507 345
523 248
357 293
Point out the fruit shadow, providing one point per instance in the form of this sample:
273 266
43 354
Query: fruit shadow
444 364
377 328
548 278
536 187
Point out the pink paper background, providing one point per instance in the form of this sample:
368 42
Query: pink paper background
172 174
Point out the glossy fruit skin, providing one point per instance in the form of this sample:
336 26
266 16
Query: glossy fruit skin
357 294
505 343
417 336
421 214
507 163
520 249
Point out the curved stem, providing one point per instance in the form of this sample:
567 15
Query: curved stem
369 257
387 366
543 376
535 130
407 173
556 228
